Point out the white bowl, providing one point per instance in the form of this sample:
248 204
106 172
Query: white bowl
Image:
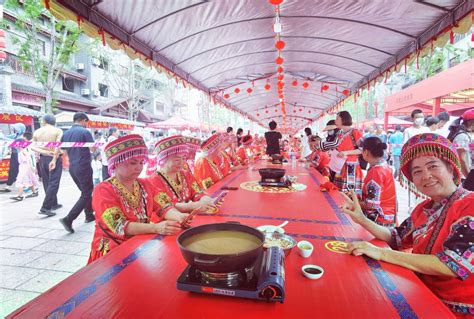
305 248
269 228
305 269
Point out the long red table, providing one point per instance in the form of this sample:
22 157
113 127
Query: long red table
138 279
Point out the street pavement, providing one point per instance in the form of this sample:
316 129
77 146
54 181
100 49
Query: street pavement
36 252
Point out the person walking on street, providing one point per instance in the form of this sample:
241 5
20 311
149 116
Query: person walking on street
418 119
18 131
80 169
396 143
51 164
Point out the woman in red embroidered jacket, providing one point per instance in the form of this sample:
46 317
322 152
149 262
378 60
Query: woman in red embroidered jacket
173 178
346 143
124 204
440 230
205 170
379 200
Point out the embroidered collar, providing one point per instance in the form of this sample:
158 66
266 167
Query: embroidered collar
431 207
175 186
134 199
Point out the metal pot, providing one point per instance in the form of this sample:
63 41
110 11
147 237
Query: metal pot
217 262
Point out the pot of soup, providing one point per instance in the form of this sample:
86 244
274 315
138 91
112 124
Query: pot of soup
222 247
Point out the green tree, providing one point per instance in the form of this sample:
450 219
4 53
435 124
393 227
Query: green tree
34 21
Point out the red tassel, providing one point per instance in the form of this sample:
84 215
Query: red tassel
405 66
102 34
451 37
46 4
472 37
79 20
417 58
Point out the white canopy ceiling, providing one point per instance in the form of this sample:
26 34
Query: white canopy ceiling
221 45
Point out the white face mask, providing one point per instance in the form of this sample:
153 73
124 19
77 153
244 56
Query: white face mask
419 121
330 132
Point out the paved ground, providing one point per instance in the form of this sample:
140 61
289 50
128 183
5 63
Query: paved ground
36 252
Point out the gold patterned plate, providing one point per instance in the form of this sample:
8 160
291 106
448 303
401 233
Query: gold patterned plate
339 247
254 186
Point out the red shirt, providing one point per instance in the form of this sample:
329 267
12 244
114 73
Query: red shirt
379 194
445 230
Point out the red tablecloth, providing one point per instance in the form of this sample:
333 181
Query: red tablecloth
138 279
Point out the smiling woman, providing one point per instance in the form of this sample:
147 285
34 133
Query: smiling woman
440 230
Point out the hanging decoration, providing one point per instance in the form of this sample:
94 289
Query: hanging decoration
346 92
280 45
237 91
226 96
267 86
279 60
305 85
294 83
276 2
249 90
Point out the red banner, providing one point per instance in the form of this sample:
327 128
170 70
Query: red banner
4 166
105 125
14 118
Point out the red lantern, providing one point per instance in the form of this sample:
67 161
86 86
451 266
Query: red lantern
325 87
3 55
2 33
226 96
300 110
280 77
280 69
346 92
281 96
267 86
275 2
294 83
280 45
294 111
279 60
266 111
237 90
276 110
249 90
305 85
258 114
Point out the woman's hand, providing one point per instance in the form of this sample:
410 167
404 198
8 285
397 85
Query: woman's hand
359 248
341 154
352 207
206 203
167 227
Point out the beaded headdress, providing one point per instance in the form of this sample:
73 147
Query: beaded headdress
123 149
171 146
428 144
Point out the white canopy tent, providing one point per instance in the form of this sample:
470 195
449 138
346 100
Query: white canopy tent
219 46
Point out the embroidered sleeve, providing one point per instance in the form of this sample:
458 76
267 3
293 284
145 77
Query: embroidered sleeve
458 248
402 236
206 183
115 220
164 202
374 192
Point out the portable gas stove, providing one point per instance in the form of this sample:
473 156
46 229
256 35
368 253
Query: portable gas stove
272 182
265 280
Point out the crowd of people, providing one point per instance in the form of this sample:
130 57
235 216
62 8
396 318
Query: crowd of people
123 201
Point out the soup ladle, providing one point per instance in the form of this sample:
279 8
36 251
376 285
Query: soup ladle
274 229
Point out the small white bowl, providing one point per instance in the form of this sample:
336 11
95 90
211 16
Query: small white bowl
305 248
269 228
307 274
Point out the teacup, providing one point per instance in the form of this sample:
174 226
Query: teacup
305 248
